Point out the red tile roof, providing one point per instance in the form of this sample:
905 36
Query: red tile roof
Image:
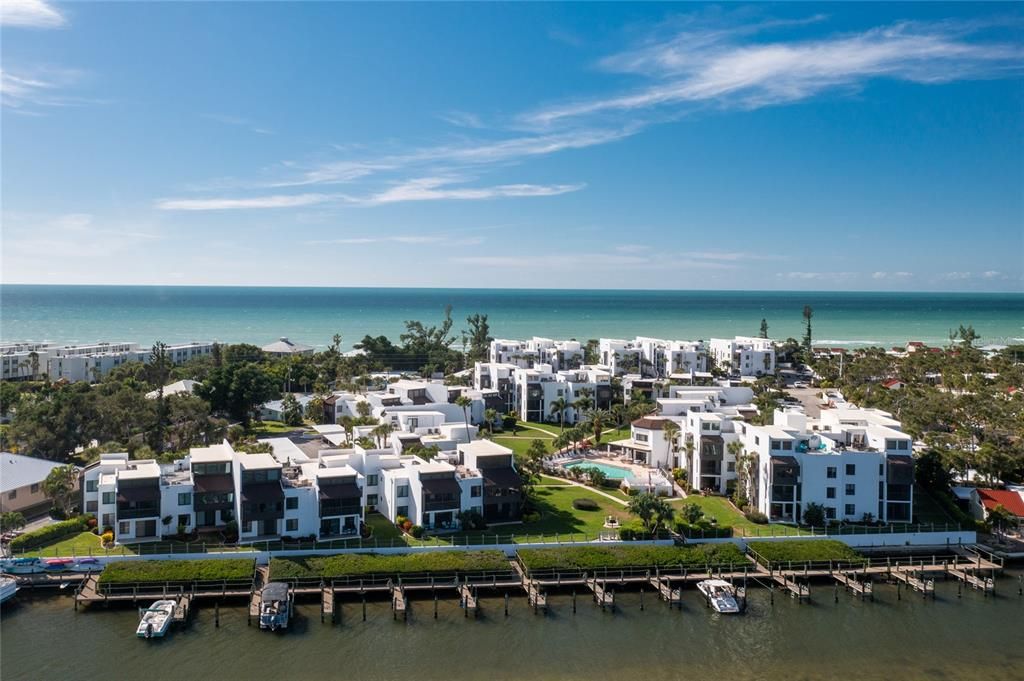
891 382
1010 500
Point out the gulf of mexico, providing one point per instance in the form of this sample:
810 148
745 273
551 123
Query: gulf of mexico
260 314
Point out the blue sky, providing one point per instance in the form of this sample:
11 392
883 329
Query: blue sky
796 146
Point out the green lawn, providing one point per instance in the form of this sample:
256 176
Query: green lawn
552 429
720 509
274 429
521 444
80 544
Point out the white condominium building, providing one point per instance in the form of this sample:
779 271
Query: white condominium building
27 360
744 355
91 362
560 354
540 387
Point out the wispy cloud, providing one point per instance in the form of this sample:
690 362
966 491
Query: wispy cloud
702 65
398 239
891 275
462 119
257 202
25 91
30 14
438 188
239 122
420 189
584 260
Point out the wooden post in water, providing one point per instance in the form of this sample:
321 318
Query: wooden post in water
435 605
641 598
574 601
506 604
216 614
364 607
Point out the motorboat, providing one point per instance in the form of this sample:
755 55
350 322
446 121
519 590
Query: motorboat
720 594
22 566
8 587
155 620
58 564
275 606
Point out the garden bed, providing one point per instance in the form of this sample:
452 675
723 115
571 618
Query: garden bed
591 557
378 564
798 550
137 571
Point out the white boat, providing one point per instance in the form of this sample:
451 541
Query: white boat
22 566
156 619
275 606
720 594
8 587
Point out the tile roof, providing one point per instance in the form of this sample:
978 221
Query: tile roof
1010 500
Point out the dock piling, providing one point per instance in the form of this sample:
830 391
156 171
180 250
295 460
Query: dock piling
506 604
216 614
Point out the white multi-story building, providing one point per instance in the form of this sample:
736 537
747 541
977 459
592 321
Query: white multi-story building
855 462
560 354
24 360
538 388
179 353
91 362
744 355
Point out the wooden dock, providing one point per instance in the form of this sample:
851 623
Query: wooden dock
798 590
924 585
864 589
468 600
602 596
669 594
399 602
537 599
984 584
182 609
326 603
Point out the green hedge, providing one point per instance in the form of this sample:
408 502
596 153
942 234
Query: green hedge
49 534
804 550
591 557
380 564
130 571
703 530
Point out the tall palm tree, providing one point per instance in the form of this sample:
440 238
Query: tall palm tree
598 419
559 407
490 416
671 432
464 402
583 404
347 423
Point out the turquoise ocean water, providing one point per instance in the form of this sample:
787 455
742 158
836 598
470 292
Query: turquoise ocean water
313 315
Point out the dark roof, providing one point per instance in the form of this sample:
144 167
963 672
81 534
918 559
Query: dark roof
502 476
263 491
214 483
651 424
141 493
340 490
785 460
441 486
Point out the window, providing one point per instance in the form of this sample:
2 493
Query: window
371 480
903 444
731 467
775 444
757 440
851 469
830 492
881 469
830 472
851 509
371 499
90 485
185 519
830 512
640 437
108 497
124 527
291 503
787 446
403 492
851 489
184 498
13 494
475 491
291 525
403 511
35 488
90 506
247 526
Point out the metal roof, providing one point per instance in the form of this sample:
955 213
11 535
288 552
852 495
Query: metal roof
20 471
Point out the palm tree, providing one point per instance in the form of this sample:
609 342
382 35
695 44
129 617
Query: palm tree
559 407
671 431
598 419
583 404
381 434
464 402
653 511
620 413
347 423
490 416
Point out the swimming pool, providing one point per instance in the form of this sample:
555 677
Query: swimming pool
613 472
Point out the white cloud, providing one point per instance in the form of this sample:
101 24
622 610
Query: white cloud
891 275
30 13
956 276
992 274
437 188
25 91
587 261
399 239
275 201
462 119
701 66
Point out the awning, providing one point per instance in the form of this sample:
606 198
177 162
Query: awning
341 490
214 483
145 493
504 477
439 486
785 461
263 492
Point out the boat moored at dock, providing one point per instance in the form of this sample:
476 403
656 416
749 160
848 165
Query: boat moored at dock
720 594
22 566
155 620
275 606
8 587
58 564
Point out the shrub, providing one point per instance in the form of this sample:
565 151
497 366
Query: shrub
531 517
755 516
472 520
416 531
130 571
585 505
703 529
814 514
388 564
49 534
592 557
91 523
400 520
633 531
182 529
107 538
803 550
